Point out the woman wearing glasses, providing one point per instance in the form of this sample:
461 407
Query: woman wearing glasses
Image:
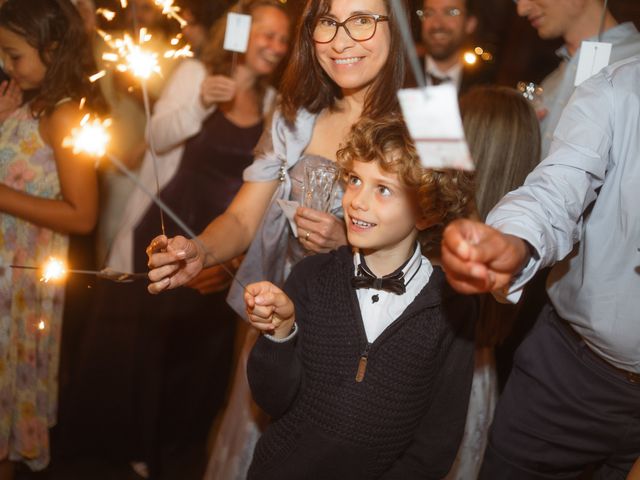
347 63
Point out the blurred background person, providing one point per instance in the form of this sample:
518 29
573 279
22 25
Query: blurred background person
574 21
447 29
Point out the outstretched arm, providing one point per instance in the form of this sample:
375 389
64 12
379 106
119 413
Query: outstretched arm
274 368
174 262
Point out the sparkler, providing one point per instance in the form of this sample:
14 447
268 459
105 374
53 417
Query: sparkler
91 138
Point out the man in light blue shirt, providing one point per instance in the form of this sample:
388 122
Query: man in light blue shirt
574 21
573 398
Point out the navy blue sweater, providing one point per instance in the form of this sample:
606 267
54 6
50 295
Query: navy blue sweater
406 416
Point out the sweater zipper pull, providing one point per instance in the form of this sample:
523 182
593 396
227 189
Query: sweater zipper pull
362 364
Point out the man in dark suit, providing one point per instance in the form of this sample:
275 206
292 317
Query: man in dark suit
446 27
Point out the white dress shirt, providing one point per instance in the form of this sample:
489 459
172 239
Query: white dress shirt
454 73
379 314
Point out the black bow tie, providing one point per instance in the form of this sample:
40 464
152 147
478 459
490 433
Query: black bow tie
436 80
394 282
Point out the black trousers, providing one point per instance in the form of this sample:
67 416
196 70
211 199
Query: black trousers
563 410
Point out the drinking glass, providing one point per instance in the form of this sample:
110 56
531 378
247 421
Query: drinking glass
319 186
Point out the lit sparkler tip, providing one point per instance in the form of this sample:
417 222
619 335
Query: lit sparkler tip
53 270
123 3
41 325
91 137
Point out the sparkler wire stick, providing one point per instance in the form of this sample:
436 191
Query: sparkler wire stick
405 31
82 272
172 215
152 150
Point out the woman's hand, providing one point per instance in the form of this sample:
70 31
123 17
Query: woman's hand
172 262
319 232
10 98
269 309
216 89
217 278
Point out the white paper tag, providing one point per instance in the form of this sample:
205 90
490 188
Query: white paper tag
433 118
236 37
594 56
289 208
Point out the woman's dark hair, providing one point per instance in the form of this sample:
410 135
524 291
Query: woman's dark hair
306 85
55 29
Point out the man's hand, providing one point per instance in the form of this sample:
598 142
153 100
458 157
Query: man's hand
269 309
172 262
477 258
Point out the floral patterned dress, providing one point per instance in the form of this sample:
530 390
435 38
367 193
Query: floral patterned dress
30 310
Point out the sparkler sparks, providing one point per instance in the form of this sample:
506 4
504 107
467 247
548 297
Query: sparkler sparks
53 270
90 137
108 15
129 56
171 11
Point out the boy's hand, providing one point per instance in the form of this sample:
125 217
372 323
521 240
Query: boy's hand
269 309
477 258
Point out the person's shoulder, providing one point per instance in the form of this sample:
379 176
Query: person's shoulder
190 66
61 121
318 263
628 67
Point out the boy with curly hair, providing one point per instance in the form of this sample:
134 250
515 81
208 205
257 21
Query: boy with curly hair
366 361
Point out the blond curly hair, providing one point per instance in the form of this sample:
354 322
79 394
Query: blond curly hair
441 195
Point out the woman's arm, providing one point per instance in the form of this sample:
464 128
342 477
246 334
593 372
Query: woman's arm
174 262
179 113
77 210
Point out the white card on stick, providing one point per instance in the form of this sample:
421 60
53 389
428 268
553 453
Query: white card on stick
594 56
433 118
236 36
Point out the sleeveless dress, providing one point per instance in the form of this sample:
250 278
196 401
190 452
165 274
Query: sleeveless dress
157 366
30 310
243 421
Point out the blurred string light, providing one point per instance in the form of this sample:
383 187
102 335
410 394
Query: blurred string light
471 57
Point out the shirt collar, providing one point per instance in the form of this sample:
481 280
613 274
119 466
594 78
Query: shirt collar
410 267
613 35
454 73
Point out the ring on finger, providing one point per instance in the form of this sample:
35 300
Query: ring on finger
307 235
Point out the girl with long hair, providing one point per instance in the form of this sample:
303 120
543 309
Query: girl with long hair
46 194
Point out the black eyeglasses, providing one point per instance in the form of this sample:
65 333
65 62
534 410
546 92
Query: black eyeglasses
359 27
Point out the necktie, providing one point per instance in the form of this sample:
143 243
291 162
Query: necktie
394 282
436 80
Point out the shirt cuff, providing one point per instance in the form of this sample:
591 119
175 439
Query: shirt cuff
294 332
